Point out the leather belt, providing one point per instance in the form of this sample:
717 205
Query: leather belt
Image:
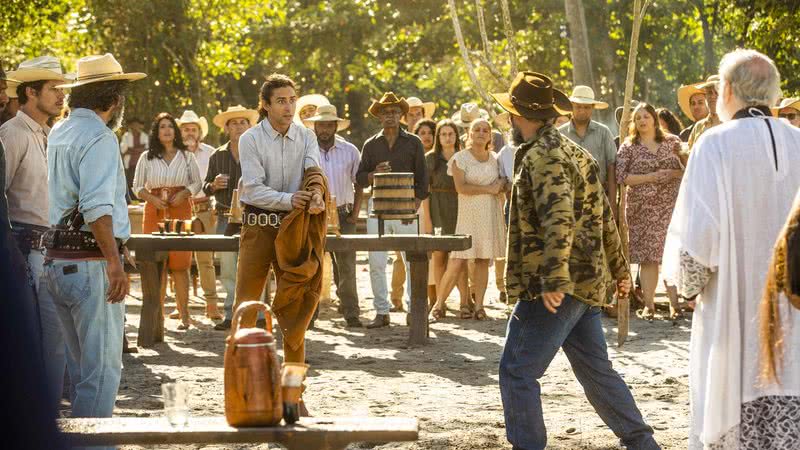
53 253
28 237
253 216
346 208
200 205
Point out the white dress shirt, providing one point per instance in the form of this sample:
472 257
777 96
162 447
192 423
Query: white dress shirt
157 173
340 164
273 164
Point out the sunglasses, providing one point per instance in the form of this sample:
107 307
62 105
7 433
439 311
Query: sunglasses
789 116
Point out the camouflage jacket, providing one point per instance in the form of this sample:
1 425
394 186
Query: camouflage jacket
562 236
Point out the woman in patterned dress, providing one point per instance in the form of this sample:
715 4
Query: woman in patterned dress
481 191
648 163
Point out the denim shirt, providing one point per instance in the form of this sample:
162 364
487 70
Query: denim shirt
84 168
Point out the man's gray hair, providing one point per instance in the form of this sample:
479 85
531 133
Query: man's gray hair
752 76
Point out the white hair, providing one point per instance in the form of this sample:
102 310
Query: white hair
752 76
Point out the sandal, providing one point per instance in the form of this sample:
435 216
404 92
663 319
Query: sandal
676 315
480 314
466 313
646 314
438 313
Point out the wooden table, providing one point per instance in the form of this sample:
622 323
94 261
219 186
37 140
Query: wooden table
151 255
308 433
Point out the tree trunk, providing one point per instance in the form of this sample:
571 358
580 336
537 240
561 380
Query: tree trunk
709 60
579 44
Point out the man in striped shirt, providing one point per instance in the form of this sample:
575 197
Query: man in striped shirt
339 160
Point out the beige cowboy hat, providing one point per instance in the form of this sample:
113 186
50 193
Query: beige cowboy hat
685 94
38 69
467 113
532 95
786 103
97 68
234 112
584 95
190 116
11 88
327 113
388 99
415 102
308 100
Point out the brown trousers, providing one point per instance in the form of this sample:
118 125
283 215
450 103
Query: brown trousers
256 256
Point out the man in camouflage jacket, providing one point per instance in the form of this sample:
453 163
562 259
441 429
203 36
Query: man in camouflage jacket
563 249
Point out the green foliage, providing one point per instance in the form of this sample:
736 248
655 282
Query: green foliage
210 54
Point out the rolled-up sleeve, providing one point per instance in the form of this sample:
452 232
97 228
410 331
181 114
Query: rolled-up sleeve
255 191
98 169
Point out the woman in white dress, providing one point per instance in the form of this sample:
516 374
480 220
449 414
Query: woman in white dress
480 188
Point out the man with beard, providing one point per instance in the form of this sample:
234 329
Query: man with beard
25 143
84 272
193 130
339 160
562 247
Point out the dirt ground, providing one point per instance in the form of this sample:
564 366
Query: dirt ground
450 385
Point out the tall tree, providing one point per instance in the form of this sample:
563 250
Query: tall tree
582 72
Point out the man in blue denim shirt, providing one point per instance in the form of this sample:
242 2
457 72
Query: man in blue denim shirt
88 285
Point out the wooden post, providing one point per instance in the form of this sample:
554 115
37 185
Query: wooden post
418 262
151 320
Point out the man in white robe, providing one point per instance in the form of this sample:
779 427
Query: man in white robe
736 193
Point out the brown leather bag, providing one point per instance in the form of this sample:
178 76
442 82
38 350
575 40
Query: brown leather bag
252 373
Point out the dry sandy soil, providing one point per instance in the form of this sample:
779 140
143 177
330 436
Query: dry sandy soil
450 385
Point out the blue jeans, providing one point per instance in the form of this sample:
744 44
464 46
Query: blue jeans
53 347
93 331
533 338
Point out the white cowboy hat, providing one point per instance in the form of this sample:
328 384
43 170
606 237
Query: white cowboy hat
190 116
308 100
786 103
468 113
234 112
327 113
584 95
38 69
415 102
97 68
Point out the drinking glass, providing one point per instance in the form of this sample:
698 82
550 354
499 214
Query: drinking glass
176 403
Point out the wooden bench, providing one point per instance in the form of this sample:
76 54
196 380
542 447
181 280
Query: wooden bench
309 433
151 253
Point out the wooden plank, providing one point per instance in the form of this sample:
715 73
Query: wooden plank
358 242
309 432
418 265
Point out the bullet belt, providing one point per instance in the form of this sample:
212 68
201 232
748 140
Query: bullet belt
253 216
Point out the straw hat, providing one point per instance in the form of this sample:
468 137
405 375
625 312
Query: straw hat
235 112
685 94
308 100
786 103
97 68
388 99
469 112
11 88
327 113
532 95
190 116
584 95
37 69
415 102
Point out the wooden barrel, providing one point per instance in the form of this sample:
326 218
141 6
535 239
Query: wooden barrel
393 196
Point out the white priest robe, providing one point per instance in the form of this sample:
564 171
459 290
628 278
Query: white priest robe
734 199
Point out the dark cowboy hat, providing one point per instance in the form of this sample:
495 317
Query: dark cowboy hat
388 99
532 96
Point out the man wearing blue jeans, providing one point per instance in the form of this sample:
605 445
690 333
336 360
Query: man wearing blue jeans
84 273
563 249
